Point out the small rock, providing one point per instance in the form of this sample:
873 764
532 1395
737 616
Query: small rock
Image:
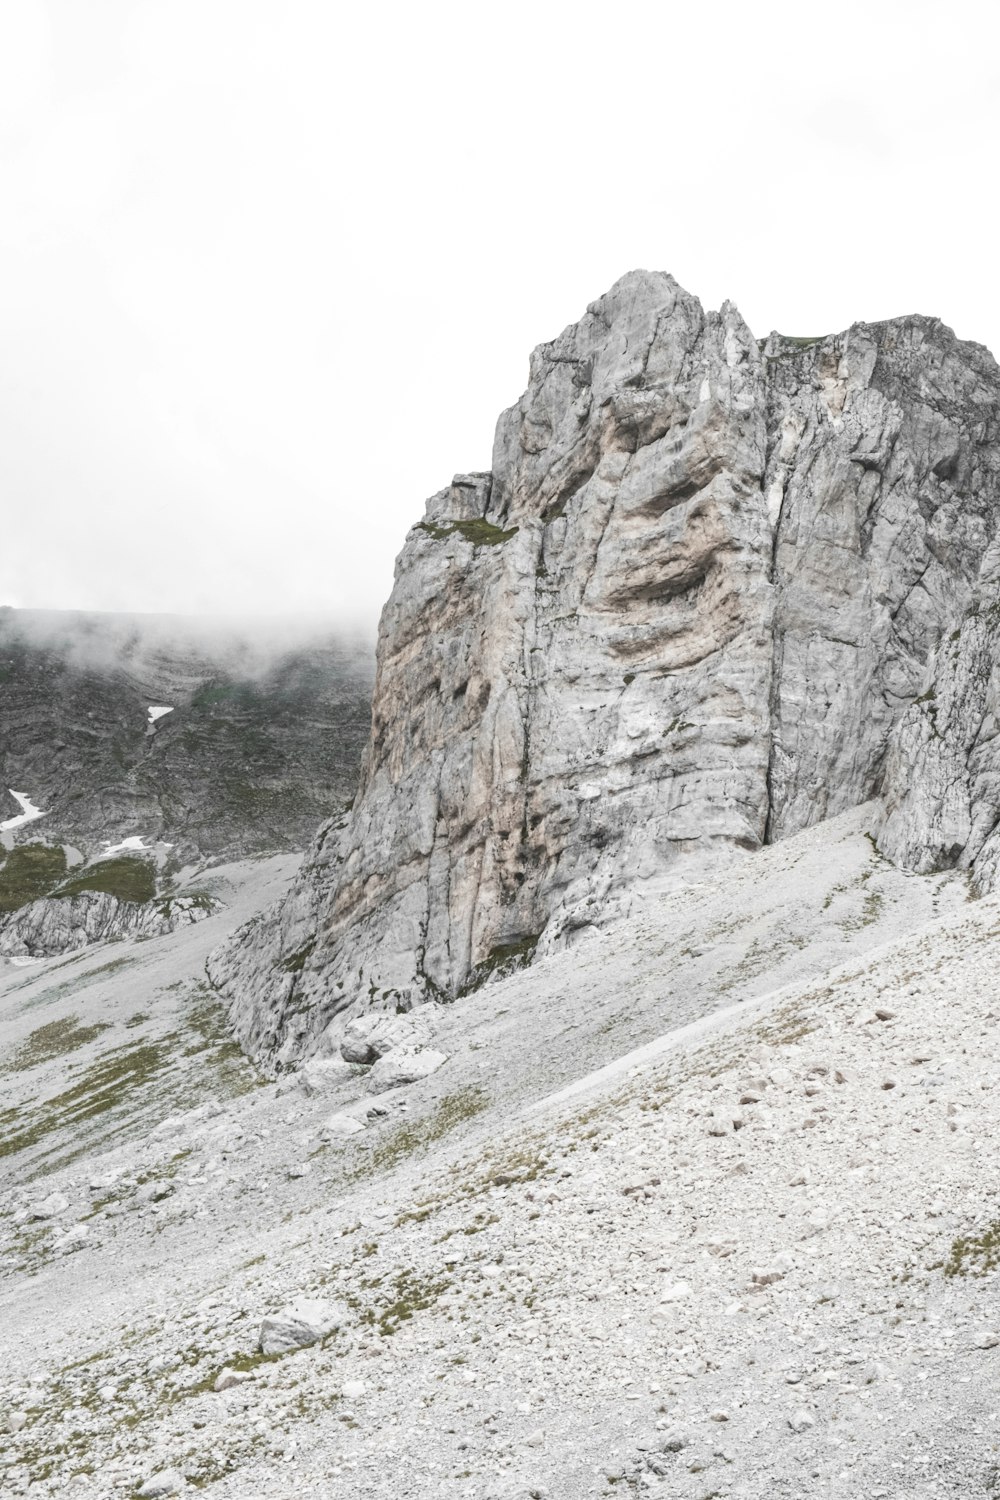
300 1323
676 1292
881 1014
403 1065
55 1203
986 1340
338 1126
321 1074
15 1420
352 1390
674 1440
227 1378
535 1439
888 1083
167 1482
801 1420
723 1120
299 1169
780 1266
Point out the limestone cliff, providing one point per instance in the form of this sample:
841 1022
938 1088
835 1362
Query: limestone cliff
705 581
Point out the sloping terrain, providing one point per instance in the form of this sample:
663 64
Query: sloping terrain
754 1257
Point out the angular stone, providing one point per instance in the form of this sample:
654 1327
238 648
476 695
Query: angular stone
302 1322
341 1125
367 1038
166 1482
403 1065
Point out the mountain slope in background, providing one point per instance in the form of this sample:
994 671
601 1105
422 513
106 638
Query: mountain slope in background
266 728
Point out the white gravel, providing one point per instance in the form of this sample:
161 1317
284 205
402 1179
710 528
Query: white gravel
659 1224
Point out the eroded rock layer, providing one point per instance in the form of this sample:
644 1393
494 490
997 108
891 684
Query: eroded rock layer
683 615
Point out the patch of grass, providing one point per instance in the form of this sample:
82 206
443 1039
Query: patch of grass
68 986
504 959
30 872
479 533
128 878
409 1294
99 1089
975 1254
869 914
112 1094
55 1039
784 1026
417 1135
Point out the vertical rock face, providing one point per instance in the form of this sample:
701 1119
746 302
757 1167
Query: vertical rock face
681 616
885 462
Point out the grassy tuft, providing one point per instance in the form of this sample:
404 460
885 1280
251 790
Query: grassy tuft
479 533
28 873
128 878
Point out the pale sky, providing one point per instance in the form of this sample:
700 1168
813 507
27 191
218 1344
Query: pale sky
270 269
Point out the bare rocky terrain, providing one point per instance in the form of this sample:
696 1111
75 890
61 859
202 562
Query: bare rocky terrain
605 1102
703 1206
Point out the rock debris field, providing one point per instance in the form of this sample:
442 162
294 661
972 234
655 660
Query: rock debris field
703 1206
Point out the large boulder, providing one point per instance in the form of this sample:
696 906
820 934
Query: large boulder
403 1065
367 1038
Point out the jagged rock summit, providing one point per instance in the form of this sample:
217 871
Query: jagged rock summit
712 591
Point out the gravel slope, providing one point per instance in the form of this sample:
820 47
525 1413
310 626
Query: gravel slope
682 1213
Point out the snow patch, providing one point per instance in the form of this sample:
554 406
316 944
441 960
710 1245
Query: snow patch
27 815
128 845
157 710
134 844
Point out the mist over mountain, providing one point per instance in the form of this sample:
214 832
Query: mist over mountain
266 723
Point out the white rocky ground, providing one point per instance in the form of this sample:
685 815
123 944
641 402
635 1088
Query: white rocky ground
704 1206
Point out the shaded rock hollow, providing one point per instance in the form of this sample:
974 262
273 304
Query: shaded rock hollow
695 606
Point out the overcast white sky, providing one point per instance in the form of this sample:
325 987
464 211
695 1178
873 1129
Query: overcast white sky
269 269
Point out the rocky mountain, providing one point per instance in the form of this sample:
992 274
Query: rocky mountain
682 738
714 590
136 748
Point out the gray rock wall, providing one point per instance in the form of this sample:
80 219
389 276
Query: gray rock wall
703 583
62 925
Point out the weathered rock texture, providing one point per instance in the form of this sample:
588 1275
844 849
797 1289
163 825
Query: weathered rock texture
62 926
682 616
